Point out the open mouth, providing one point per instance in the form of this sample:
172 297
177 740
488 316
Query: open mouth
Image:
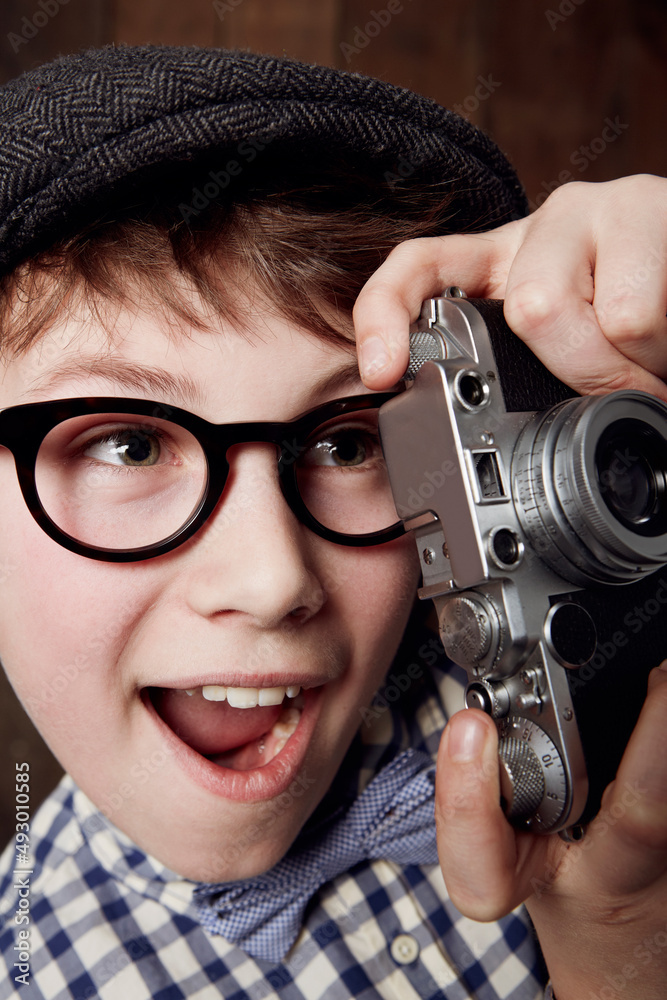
237 728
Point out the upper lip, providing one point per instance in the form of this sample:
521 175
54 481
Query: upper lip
243 681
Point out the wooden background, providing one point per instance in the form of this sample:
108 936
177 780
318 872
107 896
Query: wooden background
544 79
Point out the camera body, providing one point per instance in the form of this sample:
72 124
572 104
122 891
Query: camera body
540 518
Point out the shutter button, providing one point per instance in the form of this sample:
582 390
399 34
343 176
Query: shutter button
404 949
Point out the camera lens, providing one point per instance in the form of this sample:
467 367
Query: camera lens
590 480
631 464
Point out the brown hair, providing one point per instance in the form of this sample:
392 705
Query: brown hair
308 242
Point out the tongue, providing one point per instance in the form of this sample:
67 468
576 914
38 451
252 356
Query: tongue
211 727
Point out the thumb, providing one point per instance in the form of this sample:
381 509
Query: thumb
477 846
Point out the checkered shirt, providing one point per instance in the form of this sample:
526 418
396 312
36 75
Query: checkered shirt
108 921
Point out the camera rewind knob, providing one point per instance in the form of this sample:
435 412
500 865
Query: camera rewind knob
425 345
521 779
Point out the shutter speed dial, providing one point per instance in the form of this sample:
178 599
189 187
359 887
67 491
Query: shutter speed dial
532 775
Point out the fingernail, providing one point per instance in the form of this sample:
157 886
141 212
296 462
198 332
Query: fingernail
373 356
466 737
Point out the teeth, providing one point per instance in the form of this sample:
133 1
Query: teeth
284 727
213 692
243 697
272 696
249 697
286 724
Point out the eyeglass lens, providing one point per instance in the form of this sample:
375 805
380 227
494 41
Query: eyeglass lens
123 481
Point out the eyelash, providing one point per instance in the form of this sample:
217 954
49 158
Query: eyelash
109 437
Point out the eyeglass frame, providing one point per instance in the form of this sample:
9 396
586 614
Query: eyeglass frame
24 427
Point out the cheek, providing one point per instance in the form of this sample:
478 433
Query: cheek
385 576
373 591
63 621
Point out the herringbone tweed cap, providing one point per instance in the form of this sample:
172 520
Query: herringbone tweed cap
73 131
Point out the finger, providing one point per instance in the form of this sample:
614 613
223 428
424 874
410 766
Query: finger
417 270
630 832
549 302
630 299
476 844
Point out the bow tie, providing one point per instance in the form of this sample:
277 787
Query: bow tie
393 818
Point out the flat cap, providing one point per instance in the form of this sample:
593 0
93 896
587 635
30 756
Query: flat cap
72 132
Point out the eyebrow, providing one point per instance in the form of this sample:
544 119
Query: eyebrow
164 385
129 375
345 378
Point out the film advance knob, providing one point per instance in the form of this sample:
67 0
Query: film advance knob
466 629
521 779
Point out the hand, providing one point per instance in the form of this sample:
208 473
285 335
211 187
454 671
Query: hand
584 281
600 905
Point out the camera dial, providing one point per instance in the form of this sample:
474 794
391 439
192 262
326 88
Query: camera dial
470 630
532 775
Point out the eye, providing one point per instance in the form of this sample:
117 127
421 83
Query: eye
345 447
130 447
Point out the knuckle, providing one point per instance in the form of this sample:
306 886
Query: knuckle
417 251
532 305
627 320
642 185
644 824
568 194
371 302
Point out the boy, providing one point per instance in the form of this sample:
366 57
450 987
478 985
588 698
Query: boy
185 235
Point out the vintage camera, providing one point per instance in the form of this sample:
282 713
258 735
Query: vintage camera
540 518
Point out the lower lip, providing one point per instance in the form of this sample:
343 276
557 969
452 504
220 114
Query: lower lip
257 784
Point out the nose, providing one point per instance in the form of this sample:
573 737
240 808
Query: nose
253 558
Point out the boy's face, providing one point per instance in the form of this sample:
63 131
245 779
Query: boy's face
102 653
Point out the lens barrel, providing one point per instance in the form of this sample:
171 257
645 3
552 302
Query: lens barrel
590 481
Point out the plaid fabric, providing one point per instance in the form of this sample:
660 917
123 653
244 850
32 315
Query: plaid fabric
392 819
108 921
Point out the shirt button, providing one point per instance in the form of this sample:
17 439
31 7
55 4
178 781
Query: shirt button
404 949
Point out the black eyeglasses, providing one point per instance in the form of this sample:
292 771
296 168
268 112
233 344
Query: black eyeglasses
126 479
